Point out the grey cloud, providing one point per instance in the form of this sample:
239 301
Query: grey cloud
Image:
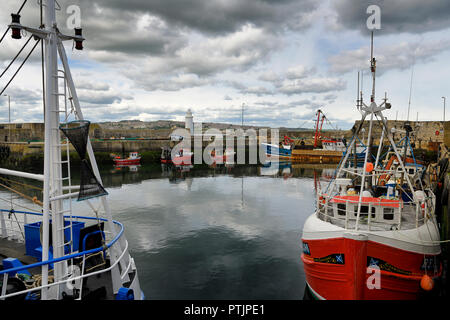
217 16
312 85
89 85
411 16
258 91
99 98
397 56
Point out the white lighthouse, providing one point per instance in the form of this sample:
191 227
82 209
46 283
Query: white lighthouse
189 122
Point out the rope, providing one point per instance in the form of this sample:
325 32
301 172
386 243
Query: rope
21 183
20 67
14 59
33 199
18 205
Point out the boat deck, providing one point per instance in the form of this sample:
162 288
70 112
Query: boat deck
408 221
96 287
316 156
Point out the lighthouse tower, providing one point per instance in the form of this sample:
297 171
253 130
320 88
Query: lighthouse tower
189 122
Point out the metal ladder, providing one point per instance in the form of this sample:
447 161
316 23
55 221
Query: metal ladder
64 112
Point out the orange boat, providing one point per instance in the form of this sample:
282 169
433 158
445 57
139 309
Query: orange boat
370 238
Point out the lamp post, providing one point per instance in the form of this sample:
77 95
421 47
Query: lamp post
9 107
9 115
242 115
444 107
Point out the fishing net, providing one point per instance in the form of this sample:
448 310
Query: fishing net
78 132
89 185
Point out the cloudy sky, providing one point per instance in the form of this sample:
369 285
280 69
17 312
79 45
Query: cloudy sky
283 59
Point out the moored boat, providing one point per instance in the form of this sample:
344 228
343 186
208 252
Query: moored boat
368 239
133 159
281 151
181 158
50 253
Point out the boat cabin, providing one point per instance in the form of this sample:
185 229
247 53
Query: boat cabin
134 155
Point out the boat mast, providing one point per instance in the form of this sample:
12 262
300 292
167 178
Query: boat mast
370 109
52 158
53 180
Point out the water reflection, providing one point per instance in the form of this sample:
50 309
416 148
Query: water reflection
216 232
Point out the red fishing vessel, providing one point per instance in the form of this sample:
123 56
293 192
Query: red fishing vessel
133 158
370 238
226 157
183 157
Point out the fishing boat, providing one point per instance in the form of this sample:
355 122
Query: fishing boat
181 158
281 151
226 157
369 240
133 159
340 145
335 144
51 253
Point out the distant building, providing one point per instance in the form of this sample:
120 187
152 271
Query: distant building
189 123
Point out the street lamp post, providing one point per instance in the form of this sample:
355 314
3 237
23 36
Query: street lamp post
444 107
242 116
9 107
9 115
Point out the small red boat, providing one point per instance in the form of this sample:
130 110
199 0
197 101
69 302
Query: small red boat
223 158
133 158
183 157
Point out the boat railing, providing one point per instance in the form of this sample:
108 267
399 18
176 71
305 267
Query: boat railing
71 277
391 215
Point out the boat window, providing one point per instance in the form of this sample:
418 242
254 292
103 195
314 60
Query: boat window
364 211
411 171
388 213
330 210
341 207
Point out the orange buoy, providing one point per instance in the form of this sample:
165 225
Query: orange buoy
369 167
426 283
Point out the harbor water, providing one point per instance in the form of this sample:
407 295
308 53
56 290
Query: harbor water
214 233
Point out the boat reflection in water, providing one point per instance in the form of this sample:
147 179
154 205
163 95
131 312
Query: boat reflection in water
277 169
130 168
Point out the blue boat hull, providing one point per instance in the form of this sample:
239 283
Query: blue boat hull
274 151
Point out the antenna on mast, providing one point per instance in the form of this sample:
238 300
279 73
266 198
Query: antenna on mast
373 66
357 95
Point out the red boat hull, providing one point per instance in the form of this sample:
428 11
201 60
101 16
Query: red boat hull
121 162
178 161
337 269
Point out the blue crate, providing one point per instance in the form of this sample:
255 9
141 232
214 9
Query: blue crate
33 240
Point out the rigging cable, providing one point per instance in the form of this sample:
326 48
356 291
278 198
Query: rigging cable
14 59
7 29
42 26
23 62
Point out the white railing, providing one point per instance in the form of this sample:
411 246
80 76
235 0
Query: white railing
4 274
331 209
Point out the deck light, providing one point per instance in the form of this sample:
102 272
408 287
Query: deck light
15 29
78 42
